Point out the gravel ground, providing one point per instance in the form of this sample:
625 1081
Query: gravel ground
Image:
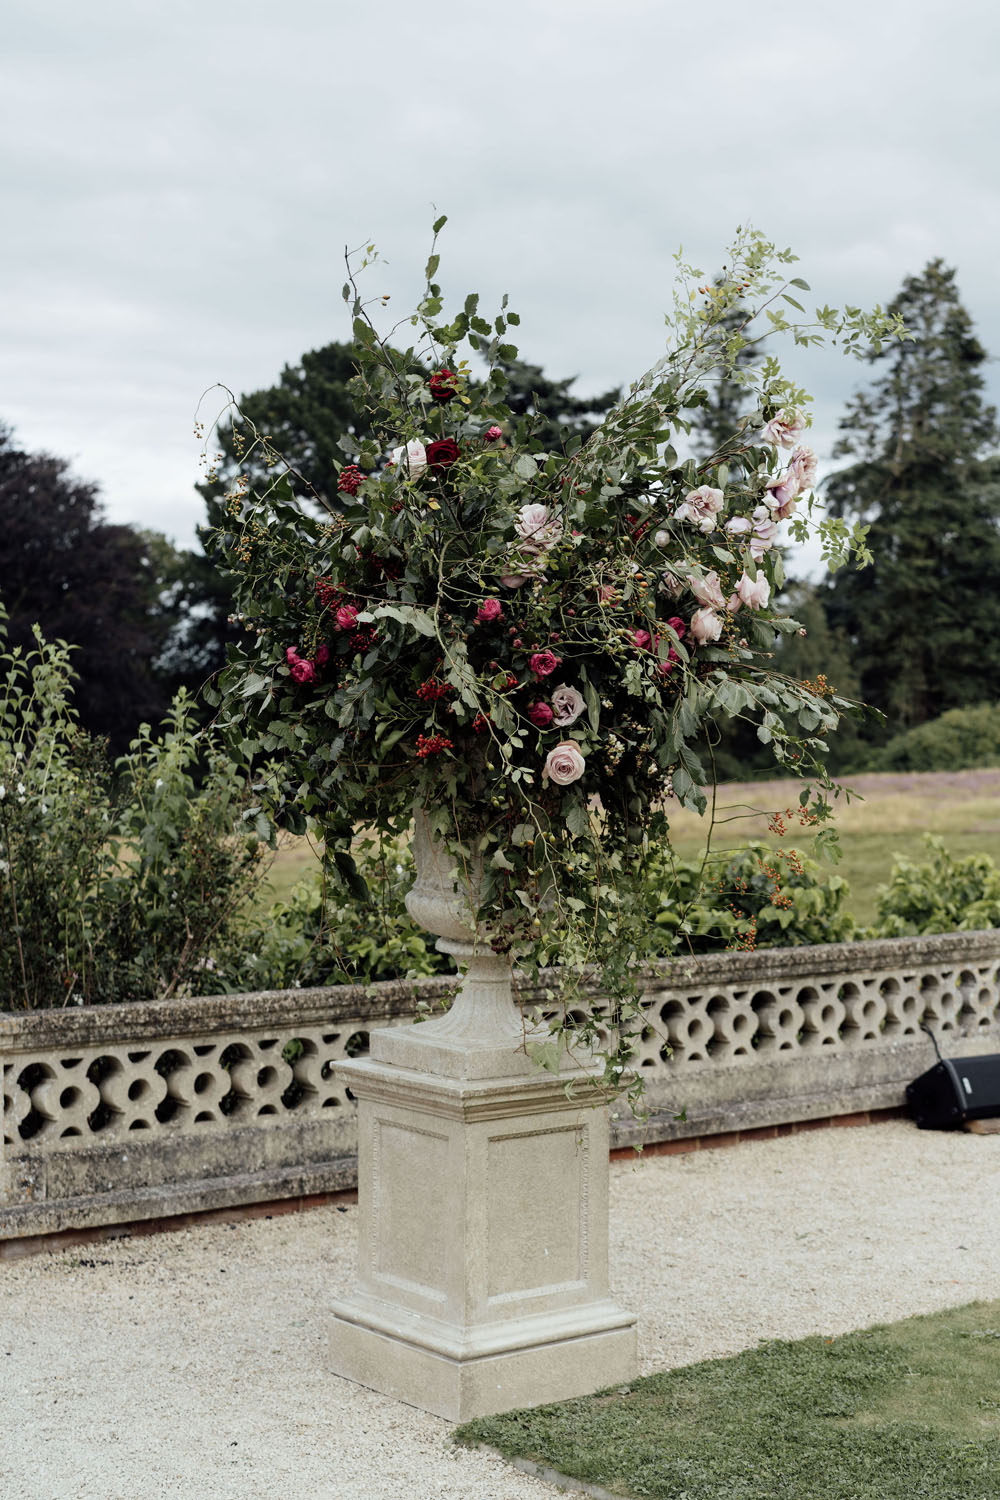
193 1364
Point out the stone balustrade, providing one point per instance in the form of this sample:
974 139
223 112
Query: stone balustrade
126 1112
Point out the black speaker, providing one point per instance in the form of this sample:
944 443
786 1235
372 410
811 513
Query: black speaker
956 1089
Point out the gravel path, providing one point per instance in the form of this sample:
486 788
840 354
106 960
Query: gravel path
193 1364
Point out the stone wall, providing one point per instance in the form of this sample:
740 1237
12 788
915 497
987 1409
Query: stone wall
125 1112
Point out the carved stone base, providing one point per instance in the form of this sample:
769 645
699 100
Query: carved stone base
482 1244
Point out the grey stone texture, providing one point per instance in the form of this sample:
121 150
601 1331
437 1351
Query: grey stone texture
128 1112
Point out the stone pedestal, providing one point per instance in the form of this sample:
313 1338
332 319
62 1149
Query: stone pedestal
483 1224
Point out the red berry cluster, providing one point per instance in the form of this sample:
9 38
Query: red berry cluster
432 690
350 479
329 597
637 526
510 683
362 639
432 745
480 723
383 567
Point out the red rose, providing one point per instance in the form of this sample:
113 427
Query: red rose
540 715
443 453
322 654
488 611
347 617
303 671
442 385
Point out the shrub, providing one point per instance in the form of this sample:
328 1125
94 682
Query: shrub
757 897
942 894
116 883
961 739
317 938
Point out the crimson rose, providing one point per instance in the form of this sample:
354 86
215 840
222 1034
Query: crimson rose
443 453
442 385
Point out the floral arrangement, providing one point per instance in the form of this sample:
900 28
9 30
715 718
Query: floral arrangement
536 646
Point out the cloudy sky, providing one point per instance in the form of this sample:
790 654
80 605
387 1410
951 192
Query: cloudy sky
180 181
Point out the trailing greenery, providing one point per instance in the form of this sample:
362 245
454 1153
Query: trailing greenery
910 1411
960 740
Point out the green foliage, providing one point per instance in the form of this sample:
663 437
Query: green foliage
941 894
127 886
961 739
924 620
757 897
320 938
905 1412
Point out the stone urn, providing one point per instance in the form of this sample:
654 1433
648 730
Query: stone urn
482 1280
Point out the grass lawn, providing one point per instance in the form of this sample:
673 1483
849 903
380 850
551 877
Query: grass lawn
906 1412
889 817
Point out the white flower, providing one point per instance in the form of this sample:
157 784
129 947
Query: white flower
412 459
157 783
701 507
661 538
737 525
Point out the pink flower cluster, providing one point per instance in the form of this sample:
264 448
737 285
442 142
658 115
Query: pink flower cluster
643 641
303 669
538 531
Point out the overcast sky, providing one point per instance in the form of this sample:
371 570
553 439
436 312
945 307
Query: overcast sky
180 181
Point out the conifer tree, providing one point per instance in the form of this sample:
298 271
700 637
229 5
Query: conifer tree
924 619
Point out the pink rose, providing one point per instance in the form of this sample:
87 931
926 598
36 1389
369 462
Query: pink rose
641 639
568 705
488 611
514 580
708 590
606 593
540 715
494 434
782 489
666 667
803 465
706 625
784 427
347 617
737 525
764 532
753 592
322 654
701 507
538 529
673 584
544 663
292 656
564 764
303 671
678 627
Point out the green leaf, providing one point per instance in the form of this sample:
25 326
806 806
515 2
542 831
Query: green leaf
593 705
432 265
440 223
577 820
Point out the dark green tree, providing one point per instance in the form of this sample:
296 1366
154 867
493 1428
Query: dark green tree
924 619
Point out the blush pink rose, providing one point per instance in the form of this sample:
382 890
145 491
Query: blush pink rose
784 427
541 715
565 764
347 617
706 625
782 491
708 590
514 580
488 611
701 507
538 528
567 704
544 663
303 671
765 529
803 465
753 592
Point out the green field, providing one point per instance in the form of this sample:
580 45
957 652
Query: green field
889 816
905 1412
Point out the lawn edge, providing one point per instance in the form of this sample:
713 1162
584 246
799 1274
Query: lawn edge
547 1474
